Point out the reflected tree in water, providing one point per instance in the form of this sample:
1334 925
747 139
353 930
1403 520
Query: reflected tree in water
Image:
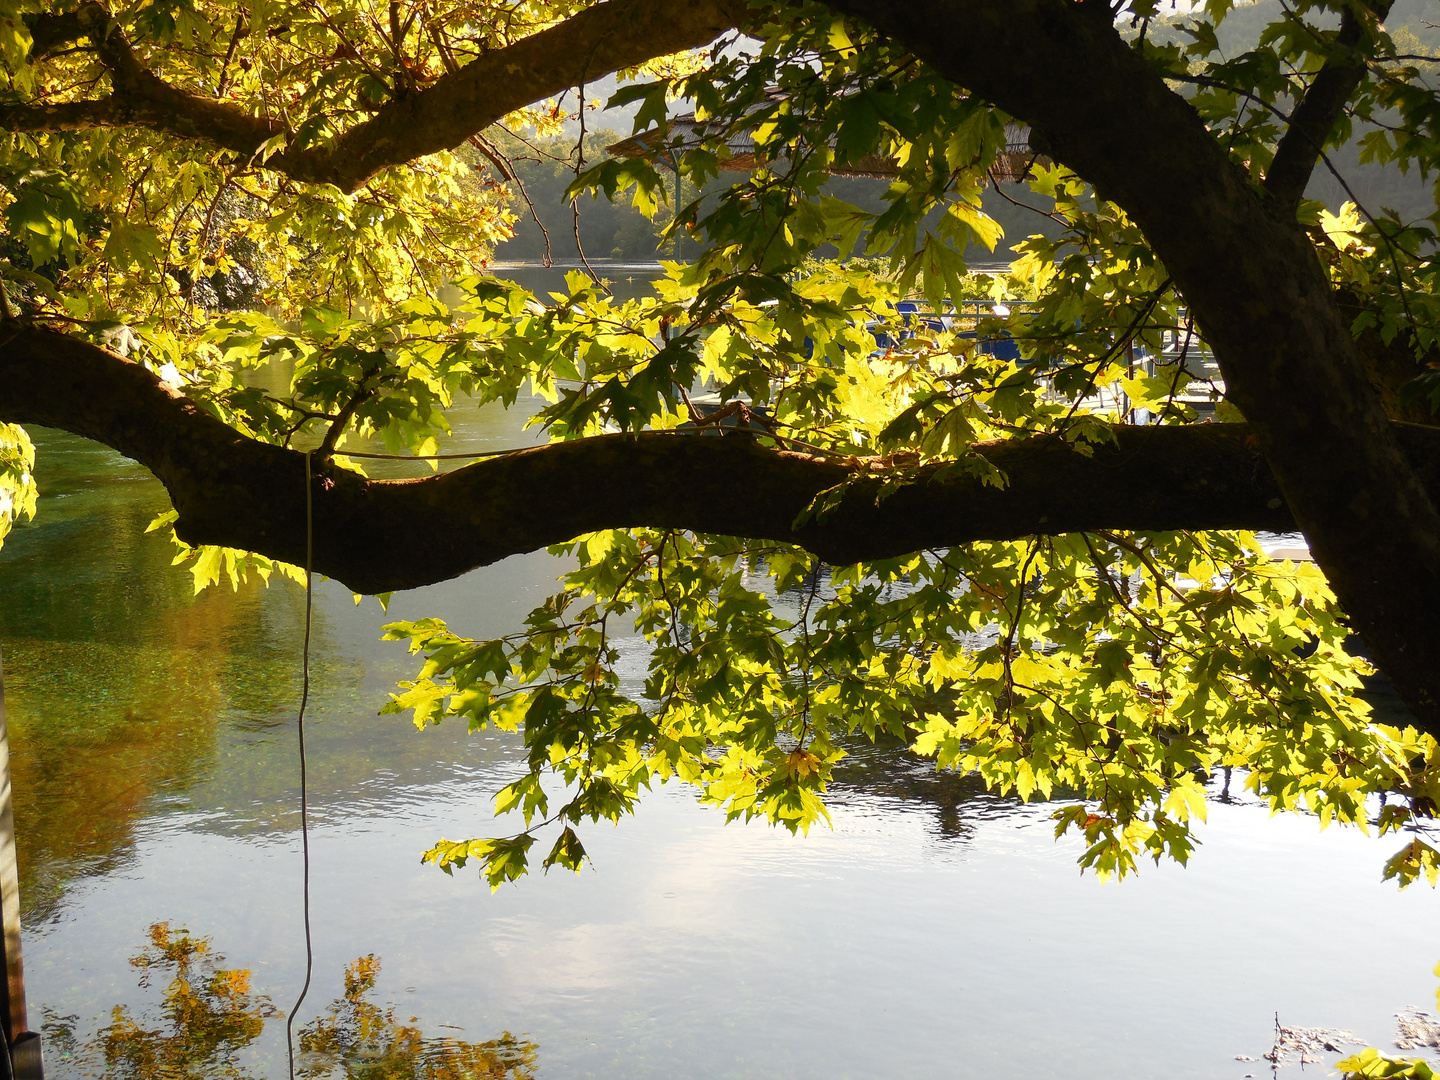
954 801
359 1040
209 1017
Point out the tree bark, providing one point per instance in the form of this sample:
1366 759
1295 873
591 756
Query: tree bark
381 535
586 47
1252 279
1314 116
1245 267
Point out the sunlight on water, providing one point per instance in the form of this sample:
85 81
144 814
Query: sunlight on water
935 931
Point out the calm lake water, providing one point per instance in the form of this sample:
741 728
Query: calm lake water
935 931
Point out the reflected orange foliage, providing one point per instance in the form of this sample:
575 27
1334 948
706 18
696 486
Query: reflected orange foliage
209 1016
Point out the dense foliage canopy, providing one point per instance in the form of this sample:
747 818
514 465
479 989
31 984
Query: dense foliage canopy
248 241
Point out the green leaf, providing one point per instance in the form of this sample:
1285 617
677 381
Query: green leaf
567 852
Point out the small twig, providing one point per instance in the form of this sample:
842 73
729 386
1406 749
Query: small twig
204 237
230 55
1144 558
507 170
995 183
337 427
309 414
447 57
1180 365
1006 656
1124 340
805 635
579 167
1104 572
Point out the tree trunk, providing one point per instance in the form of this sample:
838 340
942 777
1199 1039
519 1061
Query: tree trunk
1253 281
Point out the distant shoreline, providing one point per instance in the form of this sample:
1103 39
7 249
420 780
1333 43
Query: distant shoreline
565 264
607 264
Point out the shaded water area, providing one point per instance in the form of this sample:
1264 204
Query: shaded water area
935 931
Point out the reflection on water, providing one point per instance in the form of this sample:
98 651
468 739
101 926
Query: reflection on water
209 1016
116 675
935 931
126 691
358 1039
957 804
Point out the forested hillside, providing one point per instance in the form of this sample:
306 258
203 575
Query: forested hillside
618 231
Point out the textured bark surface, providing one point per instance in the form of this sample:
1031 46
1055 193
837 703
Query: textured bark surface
1389 365
1247 270
1249 274
379 535
1314 116
583 48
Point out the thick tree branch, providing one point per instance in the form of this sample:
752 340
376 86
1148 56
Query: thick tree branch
64 116
1259 294
584 48
234 491
137 98
587 46
1314 116
52 31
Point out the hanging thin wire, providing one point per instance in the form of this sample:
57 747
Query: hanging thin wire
304 792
